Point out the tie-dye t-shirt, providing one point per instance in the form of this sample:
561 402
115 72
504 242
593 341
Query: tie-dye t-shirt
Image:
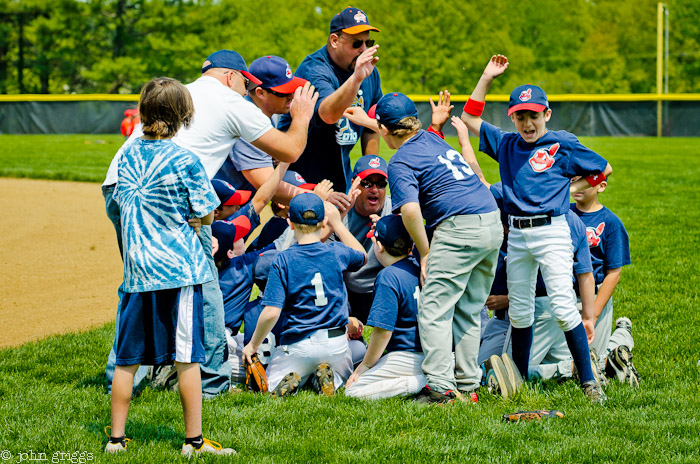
160 187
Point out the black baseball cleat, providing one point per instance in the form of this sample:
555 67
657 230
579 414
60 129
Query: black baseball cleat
428 396
619 364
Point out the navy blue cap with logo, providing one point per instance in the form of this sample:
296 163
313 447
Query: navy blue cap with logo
228 232
370 164
389 229
393 107
527 97
276 74
300 204
351 21
229 59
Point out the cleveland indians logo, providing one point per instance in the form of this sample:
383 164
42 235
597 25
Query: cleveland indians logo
593 234
525 95
298 177
360 17
543 158
374 163
288 72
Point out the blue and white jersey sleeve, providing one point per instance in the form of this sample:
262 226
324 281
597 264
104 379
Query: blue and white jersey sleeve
403 185
276 290
583 161
490 138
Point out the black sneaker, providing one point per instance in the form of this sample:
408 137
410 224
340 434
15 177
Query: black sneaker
428 396
288 386
619 364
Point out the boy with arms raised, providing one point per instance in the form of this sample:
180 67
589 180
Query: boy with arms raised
536 166
306 282
160 187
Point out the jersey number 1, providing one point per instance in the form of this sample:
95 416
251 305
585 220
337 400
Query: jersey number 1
317 282
454 155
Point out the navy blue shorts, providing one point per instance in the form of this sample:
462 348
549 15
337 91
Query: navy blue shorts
162 326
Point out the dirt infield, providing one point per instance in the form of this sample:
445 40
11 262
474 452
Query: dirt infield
59 257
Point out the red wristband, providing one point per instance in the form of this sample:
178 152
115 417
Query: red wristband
595 179
438 133
474 107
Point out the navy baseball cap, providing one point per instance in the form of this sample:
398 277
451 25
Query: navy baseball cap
527 97
389 229
230 60
261 268
228 232
351 21
300 204
370 164
294 178
228 195
276 74
393 107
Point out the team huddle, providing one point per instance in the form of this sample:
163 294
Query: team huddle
465 284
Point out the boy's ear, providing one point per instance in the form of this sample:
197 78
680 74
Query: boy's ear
547 115
325 221
602 186
290 223
230 254
378 245
217 212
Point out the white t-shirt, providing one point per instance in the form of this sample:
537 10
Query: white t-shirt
221 116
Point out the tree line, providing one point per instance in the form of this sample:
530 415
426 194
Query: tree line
566 46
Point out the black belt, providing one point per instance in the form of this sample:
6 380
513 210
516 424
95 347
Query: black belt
337 332
526 223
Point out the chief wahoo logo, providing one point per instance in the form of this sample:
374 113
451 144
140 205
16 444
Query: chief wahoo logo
543 158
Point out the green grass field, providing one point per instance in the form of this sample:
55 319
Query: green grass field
53 397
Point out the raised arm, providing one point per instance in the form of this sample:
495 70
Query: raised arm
342 232
496 66
267 190
284 193
288 146
333 106
467 150
441 111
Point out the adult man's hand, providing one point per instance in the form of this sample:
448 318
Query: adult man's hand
364 66
341 201
304 102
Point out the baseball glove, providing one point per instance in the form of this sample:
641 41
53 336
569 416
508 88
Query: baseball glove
255 377
532 415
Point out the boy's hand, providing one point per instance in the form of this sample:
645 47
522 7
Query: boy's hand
462 131
247 354
357 115
441 111
304 102
195 223
361 369
589 325
423 269
497 65
332 214
497 302
355 328
341 201
323 189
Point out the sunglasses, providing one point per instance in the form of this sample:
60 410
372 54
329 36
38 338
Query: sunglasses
278 94
368 183
358 43
248 85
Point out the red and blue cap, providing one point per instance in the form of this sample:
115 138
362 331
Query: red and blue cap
370 164
351 21
389 229
228 232
228 195
300 204
230 60
294 178
393 107
276 74
527 97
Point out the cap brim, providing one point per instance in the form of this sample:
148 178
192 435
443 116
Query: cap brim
308 186
369 172
243 227
252 78
372 113
370 234
360 28
240 197
526 106
290 86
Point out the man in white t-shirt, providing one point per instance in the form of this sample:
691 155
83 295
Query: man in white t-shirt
222 116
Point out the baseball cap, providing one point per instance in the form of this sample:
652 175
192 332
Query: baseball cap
300 204
131 112
230 60
228 195
527 97
389 229
275 74
261 268
294 178
393 107
370 164
228 232
351 21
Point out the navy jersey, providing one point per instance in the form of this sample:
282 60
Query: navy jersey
607 240
236 282
306 281
395 305
327 152
582 256
428 171
536 176
252 312
270 232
